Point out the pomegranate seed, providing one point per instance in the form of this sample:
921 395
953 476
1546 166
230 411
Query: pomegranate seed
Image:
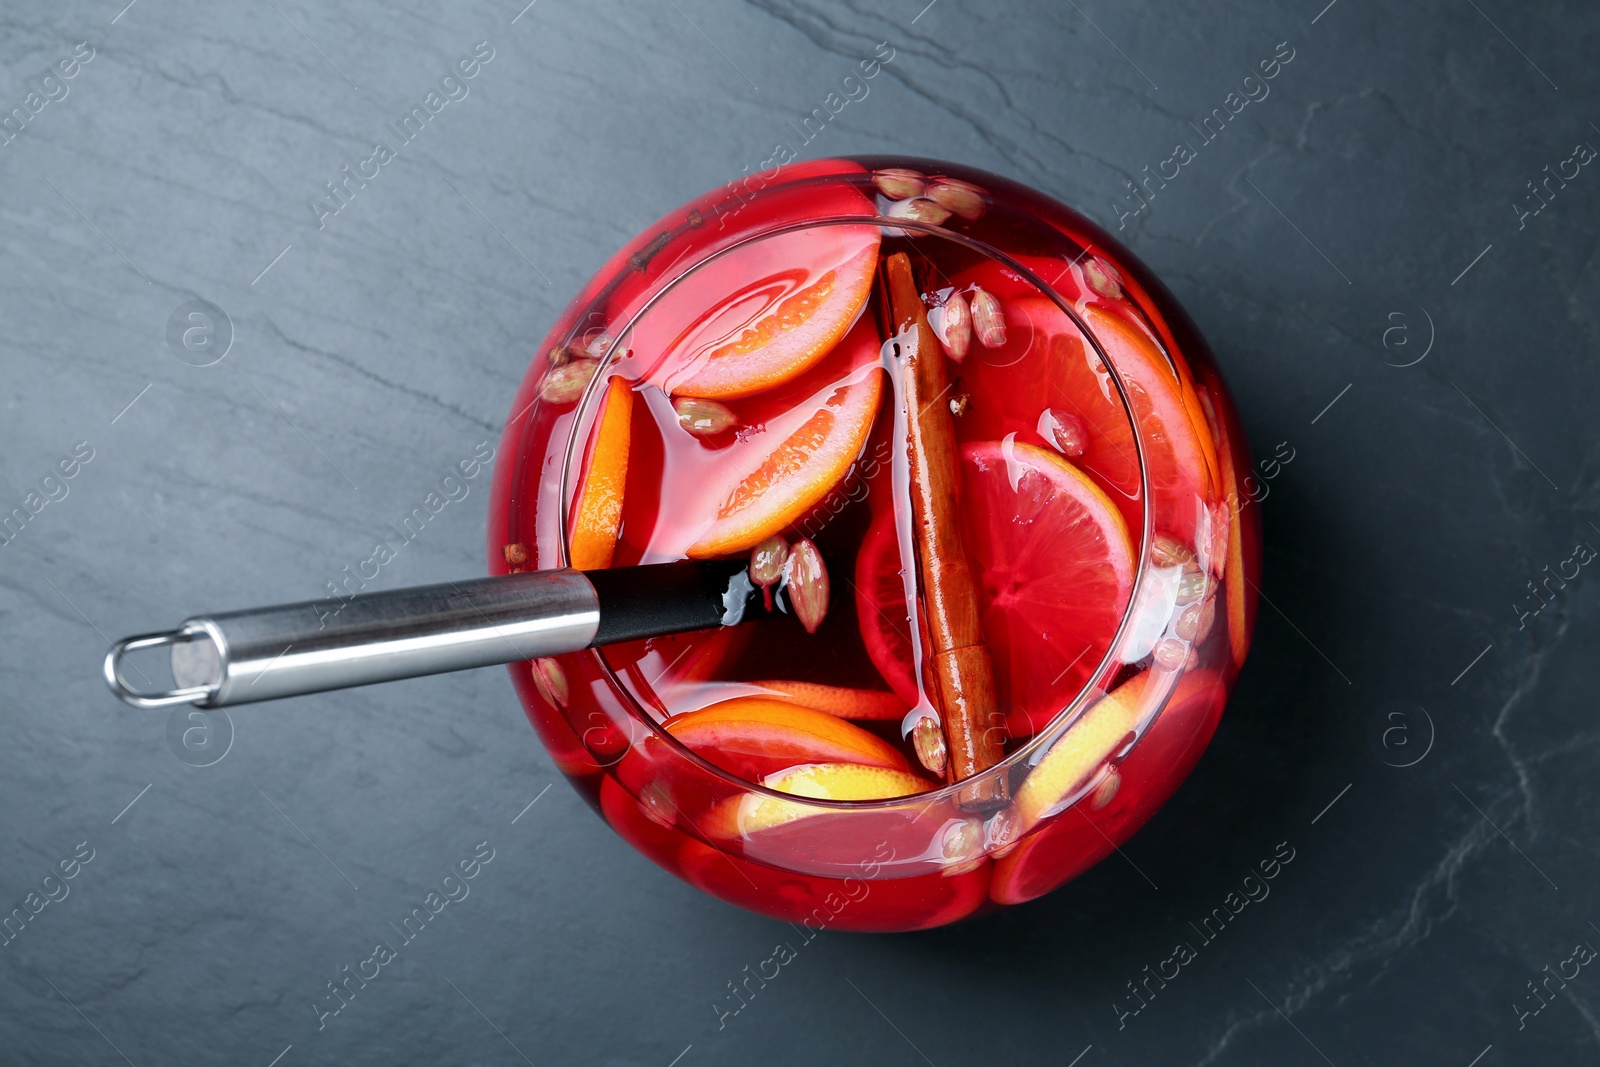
597 344
566 383
1192 586
1064 431
1102 278
656 801
1000 833
1170 653
955 321
918 209
988 321
806 579
766 565
1170 552
898 184
962 846
1196 620
605 740
927 738
1105 790
964 198
551 681
703 418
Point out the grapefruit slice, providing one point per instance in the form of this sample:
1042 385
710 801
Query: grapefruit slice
754 737
597 511
765 312
1159 331
1046 362
1183 459
800 468
1055 568
1094 284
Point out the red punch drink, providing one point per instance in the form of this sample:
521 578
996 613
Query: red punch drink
987 480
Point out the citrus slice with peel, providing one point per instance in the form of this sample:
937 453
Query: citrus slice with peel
1067 845
1055 568
1076 754
1179 451
763 313
845 702
597 511
1158 334
800 469
823 781
1054 565
1240 605
1047 364
754 737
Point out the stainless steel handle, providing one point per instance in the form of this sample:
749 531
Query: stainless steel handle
243 656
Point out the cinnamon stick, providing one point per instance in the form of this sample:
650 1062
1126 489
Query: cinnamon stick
961 668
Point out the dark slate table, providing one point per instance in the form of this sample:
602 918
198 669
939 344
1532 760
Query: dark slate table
1387 293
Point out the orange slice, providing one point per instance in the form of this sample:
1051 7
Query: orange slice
800 470
1239 603
765 312
837 700
757 736
597 511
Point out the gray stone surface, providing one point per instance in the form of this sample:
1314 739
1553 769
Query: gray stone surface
1373 190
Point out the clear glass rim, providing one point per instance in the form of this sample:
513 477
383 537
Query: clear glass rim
1045 738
